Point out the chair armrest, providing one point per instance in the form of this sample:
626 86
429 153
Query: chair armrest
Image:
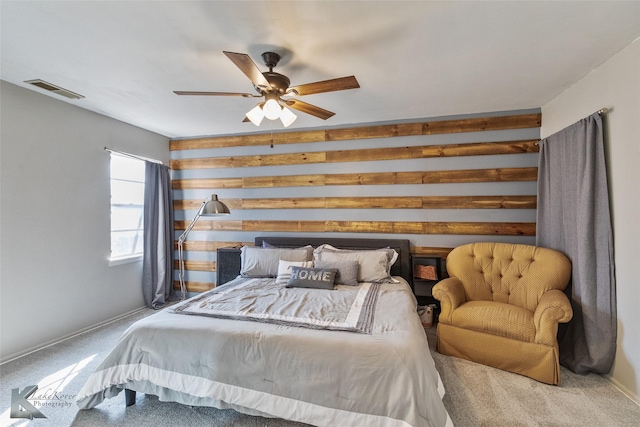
450 293
554 307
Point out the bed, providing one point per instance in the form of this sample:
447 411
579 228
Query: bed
353 354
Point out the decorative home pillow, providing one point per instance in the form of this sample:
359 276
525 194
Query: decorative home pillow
347 270
374 265
263 262
317 278
284 269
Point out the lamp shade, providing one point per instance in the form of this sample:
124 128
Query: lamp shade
214 207
287 117
256 115
271 109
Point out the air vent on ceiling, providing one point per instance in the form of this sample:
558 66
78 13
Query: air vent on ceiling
55 89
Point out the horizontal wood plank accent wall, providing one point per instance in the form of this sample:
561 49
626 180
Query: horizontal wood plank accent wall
364 155
390 227
373 178
522 121
406 202
207 180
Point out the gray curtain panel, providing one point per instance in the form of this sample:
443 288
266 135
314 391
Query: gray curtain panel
157 264
573 217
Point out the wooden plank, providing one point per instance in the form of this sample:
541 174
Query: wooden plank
374 178
374 154
195 286
209 266
390 227
481 148
480 175
430 251
208 245
282 203
284 226
284 181
249 140
194 204
479 202
249 161
359 227
521 121
179 184
403 202
373 203
362 155
209 225
380 131
481 228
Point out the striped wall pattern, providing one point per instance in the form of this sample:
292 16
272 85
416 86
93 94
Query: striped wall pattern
439 183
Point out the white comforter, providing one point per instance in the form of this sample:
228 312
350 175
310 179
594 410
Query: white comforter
320 377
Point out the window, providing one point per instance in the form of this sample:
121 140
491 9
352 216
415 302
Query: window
127 207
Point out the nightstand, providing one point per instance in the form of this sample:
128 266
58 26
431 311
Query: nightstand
228 264
427 271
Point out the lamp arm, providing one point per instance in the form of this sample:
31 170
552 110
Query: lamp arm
181 239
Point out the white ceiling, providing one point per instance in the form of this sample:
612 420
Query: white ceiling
412 59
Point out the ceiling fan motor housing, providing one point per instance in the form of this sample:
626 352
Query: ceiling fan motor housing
278 82
270 59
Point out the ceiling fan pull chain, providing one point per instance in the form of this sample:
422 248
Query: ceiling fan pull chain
271 126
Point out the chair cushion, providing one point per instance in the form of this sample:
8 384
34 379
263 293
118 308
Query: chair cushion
495 318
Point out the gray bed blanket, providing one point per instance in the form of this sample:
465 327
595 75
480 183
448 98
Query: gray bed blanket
320 377
347 308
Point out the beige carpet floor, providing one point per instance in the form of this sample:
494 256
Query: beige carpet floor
479 395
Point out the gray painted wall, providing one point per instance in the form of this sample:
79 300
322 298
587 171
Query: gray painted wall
54 277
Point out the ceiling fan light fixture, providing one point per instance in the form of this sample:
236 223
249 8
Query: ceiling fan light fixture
255 115
272 86
271 109
287 117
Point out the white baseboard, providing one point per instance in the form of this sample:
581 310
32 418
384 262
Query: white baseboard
68 336
623 389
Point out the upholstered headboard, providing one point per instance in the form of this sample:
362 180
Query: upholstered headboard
402 266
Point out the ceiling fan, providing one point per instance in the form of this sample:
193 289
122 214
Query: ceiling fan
273 86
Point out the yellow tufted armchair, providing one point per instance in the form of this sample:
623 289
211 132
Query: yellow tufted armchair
501 307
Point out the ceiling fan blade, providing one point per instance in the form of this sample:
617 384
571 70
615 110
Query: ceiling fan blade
342 83
309 109
246 95
249 68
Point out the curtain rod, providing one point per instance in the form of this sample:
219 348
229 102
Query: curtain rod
600 111
133 156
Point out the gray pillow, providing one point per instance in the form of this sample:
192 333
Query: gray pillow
374 264
317 278
263 262
347 270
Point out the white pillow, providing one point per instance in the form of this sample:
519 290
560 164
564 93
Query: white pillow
374 265
263 262
284 269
